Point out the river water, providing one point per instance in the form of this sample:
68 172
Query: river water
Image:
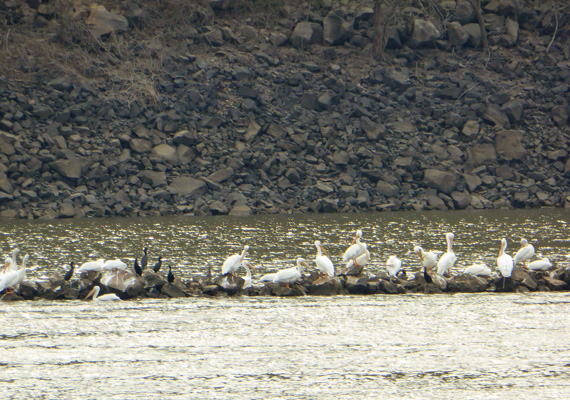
463 346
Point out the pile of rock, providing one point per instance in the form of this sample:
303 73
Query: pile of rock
296 117
127 285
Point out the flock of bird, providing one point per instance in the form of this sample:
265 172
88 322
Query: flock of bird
356 257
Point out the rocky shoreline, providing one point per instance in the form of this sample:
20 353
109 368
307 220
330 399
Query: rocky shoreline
127 285
295 116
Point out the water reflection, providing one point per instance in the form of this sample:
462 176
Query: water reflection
193 243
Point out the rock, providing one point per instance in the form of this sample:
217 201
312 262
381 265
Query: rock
386 189
559 115
187 138
326 286
5 184
218 208
464 12
187 186
482 154
68 168
278 39
172 291
461 200
514 110
66 211
443 181
555 284
126 284
276 131
102 21
508 143
240 210
495 115
467 283
335 30
306 34
512 28
457 35
64 83
152 178
140 145
471 128
152 279
166 153
474 32
423 33
357 285
221 175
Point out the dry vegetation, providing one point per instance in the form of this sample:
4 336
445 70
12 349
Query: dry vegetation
56 38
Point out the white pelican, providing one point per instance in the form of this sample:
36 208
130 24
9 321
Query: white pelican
355 249
526 252
234 262
324 264
429 259
291 275
540 265
13 261
393 266
105 297
114 264
91 266
247 278
268 277
362 259
13 278
447 260
504 261
478 269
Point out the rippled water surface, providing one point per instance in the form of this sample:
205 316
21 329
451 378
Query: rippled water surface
476 346
405 346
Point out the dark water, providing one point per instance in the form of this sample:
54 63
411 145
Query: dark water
479 346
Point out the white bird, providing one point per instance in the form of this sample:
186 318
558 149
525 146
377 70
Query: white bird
232 263
504 261
268 277
355 249
247 278
428 258
291 275
393 266
91 266
478 269
540 265
447 260
526 252
14 261
324 264
13 278
105 297
114 264
362 259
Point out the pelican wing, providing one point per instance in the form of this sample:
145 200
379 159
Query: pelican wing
325 265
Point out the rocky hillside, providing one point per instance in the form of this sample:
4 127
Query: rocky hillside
227 107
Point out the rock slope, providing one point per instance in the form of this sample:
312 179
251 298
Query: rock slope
289 114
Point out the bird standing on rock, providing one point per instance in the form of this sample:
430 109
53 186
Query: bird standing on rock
138 269
170 276
69 273
144 258
324 264
525 253
158 264
232 263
